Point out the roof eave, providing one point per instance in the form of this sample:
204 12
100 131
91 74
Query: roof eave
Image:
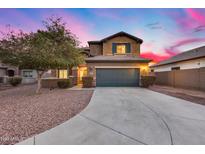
138 40
177 61
116 61
94 42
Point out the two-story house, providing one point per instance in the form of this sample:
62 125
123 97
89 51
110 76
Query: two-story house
113 61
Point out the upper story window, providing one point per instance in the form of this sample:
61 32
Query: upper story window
120 48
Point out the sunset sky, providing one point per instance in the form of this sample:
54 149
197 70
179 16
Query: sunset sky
165 32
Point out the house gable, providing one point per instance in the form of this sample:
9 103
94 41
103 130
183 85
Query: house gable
134 47
107 46
138 40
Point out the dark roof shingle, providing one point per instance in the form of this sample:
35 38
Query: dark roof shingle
115 35
187 55
116 58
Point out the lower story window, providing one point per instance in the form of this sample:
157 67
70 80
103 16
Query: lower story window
63 74
27 74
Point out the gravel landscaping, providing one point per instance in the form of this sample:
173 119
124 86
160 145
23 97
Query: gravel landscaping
194 96
24 113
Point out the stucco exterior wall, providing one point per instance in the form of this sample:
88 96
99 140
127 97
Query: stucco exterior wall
3 72
95 49
28 80
191 64
107 46
5 68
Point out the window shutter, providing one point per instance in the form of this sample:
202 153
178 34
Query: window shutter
128 48
113 48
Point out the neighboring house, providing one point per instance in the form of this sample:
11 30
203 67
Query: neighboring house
191 59
112 61
186 70
7 71
28 75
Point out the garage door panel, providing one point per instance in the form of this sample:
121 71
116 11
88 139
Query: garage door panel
117 77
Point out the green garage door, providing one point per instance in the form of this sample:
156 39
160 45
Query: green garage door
117 77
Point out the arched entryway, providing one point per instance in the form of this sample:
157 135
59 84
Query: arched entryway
10 73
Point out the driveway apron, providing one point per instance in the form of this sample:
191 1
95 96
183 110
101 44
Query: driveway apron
130 116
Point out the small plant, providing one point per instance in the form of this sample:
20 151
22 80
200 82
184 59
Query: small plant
64 84
147 81
15 81
87 81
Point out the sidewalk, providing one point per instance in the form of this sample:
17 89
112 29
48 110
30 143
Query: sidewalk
80 87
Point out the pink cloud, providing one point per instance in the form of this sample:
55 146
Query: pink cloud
196 16
187 41
162 54
188 21
174 49
78 27
169 51
153 56
81 29
4 29
147 45
152 51
184 22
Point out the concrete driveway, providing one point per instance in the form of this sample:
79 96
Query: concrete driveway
130 116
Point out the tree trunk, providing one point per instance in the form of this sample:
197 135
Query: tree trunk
70 71
39 76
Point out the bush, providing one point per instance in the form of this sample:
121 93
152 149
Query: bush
147 81
14 81
87 81
1 79
64 84
73 80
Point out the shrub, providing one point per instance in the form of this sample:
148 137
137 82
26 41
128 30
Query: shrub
87 81
73 80
14 81
146 81
64 84
1 79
